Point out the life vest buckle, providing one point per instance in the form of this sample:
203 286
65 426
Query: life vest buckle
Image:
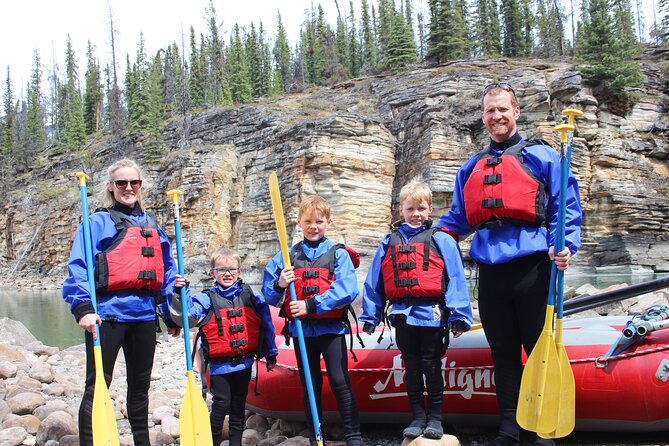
238 343
236 328
311 289
407 281
146 232
492 178
310 274
235 312
493 161
491 203
148 251
407 265
406 248
147 275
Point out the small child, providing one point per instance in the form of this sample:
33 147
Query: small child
418 269
325 284
235 327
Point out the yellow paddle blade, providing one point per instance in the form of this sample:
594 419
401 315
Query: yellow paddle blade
538 401
567 404
277 209
194 425
105 432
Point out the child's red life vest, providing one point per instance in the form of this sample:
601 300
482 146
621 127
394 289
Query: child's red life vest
414 272
312 278
232 329
134 260
502 189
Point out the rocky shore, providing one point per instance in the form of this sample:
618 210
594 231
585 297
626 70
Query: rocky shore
41 386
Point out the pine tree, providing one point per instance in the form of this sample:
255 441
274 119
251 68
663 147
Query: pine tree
355 58
92 93
36 135
513 42
448 37
341 47
266 68
486 30
605 60
369 46
282 56
422 36
527 23
240 86
253 61
7 133
72 131
401 44
154 144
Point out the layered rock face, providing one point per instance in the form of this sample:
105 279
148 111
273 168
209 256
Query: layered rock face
356 144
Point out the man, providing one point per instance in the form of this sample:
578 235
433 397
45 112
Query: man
508 194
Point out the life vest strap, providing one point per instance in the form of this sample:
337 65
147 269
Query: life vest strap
311 274
311 289
147 275
234 312
491 203
407 281
148 251
407 265
492 178
236 328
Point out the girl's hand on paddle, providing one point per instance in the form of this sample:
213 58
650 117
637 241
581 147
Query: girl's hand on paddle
180 282
287 276
271 363
88 323
175 331
561 259
298 308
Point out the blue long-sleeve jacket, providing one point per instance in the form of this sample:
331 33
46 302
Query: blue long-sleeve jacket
455 297
199 305
500 245
126 305
342 291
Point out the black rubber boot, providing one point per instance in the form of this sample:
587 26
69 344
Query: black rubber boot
414 384
435 396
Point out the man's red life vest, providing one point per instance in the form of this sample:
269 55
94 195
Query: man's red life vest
134 260
232 329
312 278
502 189
414 271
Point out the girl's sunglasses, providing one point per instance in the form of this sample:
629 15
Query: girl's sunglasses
123 184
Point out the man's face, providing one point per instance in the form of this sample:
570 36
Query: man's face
500 115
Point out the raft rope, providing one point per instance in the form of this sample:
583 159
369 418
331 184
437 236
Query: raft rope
599 361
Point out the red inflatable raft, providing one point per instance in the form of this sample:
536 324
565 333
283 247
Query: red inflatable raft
628 392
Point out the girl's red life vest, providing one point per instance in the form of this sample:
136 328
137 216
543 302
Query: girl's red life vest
134 260
502 189
414 271
312 278
232 329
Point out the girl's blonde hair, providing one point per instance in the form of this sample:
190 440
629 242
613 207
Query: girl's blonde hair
109 200
417 190
225 254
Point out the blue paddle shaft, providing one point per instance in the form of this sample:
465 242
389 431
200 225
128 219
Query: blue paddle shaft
182 290
305 368
88 248
565 158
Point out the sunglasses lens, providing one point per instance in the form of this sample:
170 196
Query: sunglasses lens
123 184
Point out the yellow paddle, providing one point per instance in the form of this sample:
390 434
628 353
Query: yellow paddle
277 209
540 387
105 432
567 402
194 424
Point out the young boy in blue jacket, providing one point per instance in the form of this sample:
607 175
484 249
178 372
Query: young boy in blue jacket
325 285
418 270
235 327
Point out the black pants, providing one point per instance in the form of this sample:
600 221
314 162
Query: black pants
138 340
422 349
229 391
512 306
333 349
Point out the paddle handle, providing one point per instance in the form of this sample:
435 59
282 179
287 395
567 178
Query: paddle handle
175 194
280 222
88 248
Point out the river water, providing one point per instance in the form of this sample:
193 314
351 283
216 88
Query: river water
48 318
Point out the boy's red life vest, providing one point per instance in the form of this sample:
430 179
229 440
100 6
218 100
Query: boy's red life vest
502 189
232 329
414 272
134 260
312 278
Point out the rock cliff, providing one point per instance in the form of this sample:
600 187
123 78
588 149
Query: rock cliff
356 144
